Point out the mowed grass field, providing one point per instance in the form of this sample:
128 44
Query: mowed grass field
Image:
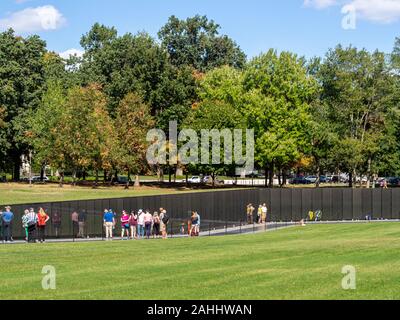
294 263
15 193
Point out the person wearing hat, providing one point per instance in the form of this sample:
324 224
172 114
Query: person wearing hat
6 219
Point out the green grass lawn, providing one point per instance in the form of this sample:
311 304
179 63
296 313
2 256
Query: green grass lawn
14 193
295 263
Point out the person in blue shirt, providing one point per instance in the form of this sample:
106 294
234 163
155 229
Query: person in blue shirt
109 223
6 220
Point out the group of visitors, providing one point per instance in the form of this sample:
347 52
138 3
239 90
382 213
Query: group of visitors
34 224
257 216
138 225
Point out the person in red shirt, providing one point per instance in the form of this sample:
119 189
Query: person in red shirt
42 219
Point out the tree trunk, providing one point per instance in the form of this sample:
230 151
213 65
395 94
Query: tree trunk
128 182
16 169
369 173
351 179
96 183
61 185
42 167
74 178
266 176
318 182
137 181
271 175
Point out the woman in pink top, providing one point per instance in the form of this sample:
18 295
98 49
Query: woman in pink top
148 221
125 226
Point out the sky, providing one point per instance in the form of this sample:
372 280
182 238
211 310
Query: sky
306 27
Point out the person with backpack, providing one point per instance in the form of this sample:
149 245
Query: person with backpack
164 218
6 218
42 219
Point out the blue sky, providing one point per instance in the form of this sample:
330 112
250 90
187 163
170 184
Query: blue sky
307 27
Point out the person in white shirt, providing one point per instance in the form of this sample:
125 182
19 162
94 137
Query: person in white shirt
264 211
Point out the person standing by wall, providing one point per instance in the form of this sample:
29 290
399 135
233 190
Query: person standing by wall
32 224
6 218
109 222
164 218
75 223
125 226
198 225
56 220
82 217
259 214
264 212
133 221
250 212
25 223
148 221
140 224
156 225
42 219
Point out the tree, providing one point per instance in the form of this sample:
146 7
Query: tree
133 121
196 42
358 89
86 131
279 92
134 63
22 83
43 129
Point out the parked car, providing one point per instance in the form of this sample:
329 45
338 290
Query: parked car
122 180
38 179
312 179
323 179
300 181
195 179
394 182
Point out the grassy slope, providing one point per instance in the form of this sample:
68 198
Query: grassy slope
21 193
296 263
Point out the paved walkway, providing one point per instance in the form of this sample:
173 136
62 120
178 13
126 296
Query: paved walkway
234 230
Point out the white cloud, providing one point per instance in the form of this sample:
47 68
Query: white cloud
320 4
382 11
43 18
71 52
